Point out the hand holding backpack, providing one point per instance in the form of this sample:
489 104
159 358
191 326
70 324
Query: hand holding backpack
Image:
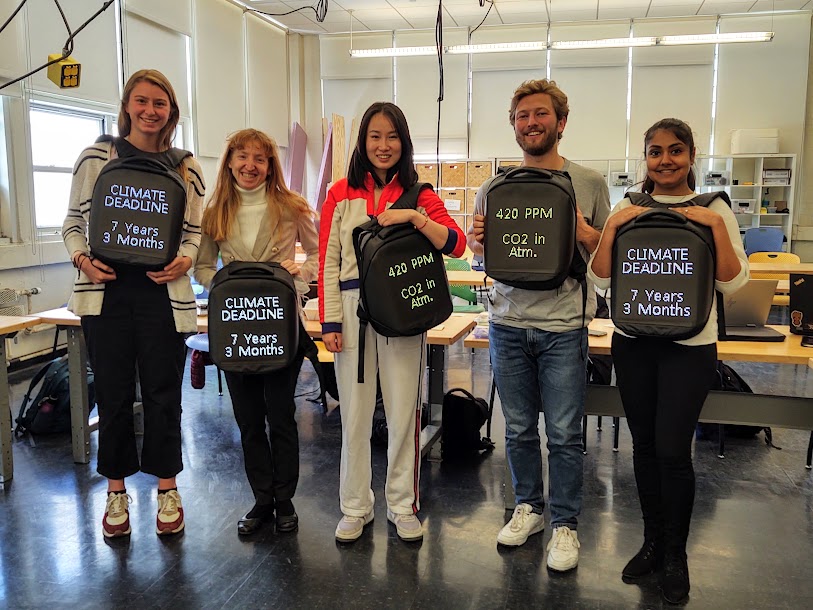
403 287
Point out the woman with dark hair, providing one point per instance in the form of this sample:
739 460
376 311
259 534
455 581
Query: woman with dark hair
253 216
133 317
664 383
381 168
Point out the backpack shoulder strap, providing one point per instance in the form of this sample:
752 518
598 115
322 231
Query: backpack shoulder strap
409 198
174 155
644 200
705 199
177 155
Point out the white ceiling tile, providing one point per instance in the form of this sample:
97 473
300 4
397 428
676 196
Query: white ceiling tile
576 5
420 16
568 15
529 6
672 10
716 8
778 5
621 13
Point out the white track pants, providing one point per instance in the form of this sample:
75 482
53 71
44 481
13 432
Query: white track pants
400 362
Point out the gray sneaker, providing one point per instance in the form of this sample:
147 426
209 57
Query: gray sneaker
524 523
351 528
408 527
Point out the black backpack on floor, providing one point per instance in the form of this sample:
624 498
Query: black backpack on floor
663 271
728 380
50 410
463 417
137 210
403 287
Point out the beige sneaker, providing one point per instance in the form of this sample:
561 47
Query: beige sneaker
524 523
170 513
563 549
408 527
351 528
116 520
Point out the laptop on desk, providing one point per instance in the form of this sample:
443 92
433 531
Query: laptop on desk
745 312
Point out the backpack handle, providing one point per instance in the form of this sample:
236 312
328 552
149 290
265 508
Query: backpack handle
518 172
663 214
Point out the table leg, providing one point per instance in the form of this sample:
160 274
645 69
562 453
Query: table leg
437 368
77 366
6 458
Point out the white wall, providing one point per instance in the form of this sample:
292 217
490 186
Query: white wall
230 70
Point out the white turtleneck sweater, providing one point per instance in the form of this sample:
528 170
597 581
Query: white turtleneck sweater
250 214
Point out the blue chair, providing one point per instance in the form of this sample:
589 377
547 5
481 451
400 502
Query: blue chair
763 239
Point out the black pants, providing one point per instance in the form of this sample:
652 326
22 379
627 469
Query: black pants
136 327
272 458
663 386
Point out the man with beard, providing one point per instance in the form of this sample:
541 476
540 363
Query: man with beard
538 342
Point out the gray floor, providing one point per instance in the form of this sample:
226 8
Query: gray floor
750 545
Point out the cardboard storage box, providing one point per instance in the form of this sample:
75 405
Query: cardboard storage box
776 177
763 141
478 172
453 175
454 200
427 172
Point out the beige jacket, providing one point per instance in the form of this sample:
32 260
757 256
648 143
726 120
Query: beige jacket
276 242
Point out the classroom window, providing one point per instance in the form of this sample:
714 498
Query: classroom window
58 136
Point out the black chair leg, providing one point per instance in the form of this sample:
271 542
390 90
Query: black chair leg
721 441
219 382
584 435
809 462
616 432
598 424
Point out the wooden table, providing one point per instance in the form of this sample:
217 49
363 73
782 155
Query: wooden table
781 267
720 407
468 278
9 326
451 331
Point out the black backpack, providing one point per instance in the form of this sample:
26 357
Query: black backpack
137 210
728 380
50 410
402 279
663 271
463 417
253 318
530 229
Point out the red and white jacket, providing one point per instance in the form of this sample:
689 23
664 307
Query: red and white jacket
345 209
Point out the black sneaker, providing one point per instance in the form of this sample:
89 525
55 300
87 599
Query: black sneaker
648 560
675 579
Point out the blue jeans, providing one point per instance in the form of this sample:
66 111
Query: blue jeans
531 368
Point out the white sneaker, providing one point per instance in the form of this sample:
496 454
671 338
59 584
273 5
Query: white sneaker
524 522
351 528
408 527
563 549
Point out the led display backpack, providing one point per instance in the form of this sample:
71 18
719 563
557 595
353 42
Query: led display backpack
663 271
253 318
530 229
402 280
137 210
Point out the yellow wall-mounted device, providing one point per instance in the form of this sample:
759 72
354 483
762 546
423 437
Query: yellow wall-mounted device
64 73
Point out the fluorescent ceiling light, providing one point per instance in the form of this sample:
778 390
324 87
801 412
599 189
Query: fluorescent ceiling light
562 45
716 38
497 47
605 43
394 52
